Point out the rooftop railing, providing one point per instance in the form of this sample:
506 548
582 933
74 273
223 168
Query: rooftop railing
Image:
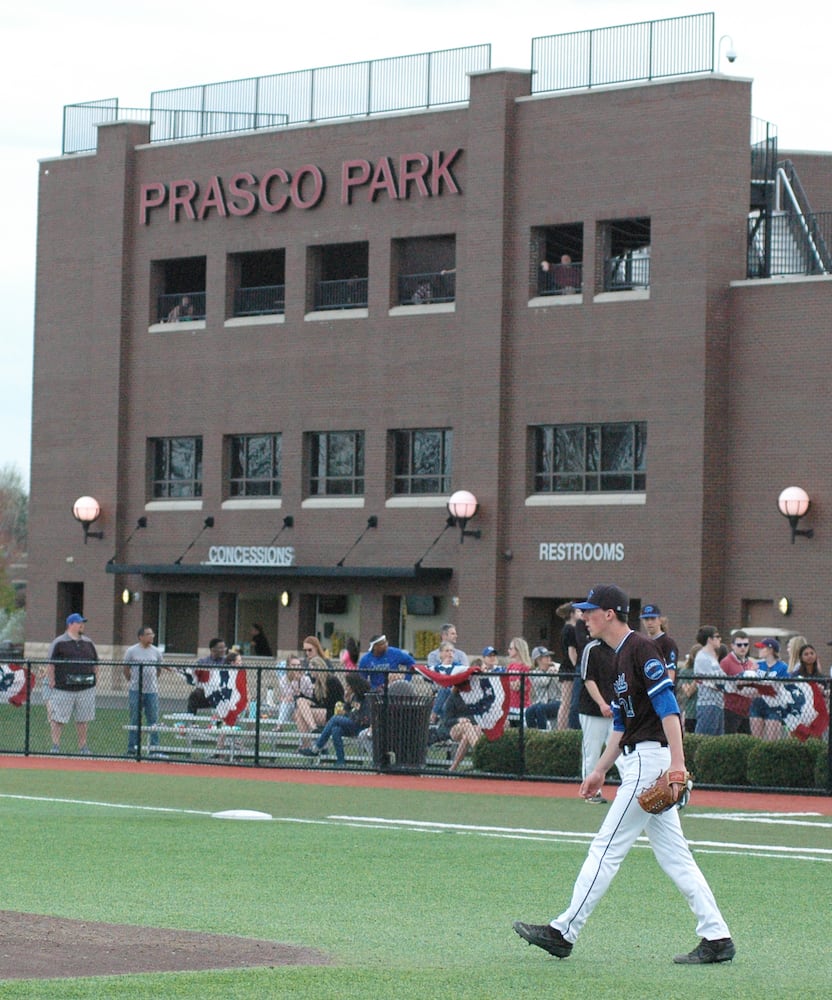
376 86
648 50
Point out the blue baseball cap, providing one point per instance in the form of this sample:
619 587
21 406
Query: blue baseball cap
489 651
607 597
651 611
75 618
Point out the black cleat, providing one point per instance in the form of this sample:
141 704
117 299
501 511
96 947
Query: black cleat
545 937
708 952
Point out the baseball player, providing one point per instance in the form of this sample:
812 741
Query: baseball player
596 697
654 625
646 720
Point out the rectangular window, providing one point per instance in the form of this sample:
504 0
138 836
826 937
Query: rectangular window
177 467
625 246
336 463
180 287
590 458
422 461
254 468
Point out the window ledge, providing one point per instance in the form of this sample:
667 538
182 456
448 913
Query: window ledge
264 320
322 503
252 503
173 505
556 300
182 326
416 501
636 295
330 314
425 309
586 499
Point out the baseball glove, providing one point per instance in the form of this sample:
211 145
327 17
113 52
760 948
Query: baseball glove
670 789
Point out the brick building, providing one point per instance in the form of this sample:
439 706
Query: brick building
272 354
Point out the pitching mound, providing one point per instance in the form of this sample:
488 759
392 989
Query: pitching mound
33 946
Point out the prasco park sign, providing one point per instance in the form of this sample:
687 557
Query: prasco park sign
423 175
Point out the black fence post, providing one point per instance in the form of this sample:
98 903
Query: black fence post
27 723
257 716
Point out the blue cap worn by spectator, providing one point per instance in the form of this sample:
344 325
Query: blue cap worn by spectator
771 643
489 651
75 618
651 611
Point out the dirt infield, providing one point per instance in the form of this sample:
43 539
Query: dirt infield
62 949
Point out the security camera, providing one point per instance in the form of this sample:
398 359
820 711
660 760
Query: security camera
731 56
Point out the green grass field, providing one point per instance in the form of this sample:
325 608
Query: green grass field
407 911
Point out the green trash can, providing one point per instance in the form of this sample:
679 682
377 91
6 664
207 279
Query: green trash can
401 724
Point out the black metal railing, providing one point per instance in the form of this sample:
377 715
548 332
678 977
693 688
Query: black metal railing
429 287
789 243
181 307
262 300
81 121
648 50
563 278
343 293
260 716
626 273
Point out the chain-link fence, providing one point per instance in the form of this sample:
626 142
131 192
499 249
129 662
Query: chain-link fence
273 716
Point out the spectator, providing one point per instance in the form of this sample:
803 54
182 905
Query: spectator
215 660
142 666
312 648
709 705
72 672
350 654
351 719
687 690
569 643
382 659
259 643
520 663
597 694
807 662
765 715
292 681
793 647
489 660
655 625
448 659
545 694
735 705
183 309
447 633
314 711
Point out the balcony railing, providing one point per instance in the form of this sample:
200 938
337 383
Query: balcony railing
626 274
565 278
789 243
345 293
262 300
423 289
181 307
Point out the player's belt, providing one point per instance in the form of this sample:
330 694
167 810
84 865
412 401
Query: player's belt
629 748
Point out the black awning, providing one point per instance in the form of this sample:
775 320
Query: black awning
422 573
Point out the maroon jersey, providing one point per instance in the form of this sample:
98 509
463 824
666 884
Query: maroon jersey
668 649
640 675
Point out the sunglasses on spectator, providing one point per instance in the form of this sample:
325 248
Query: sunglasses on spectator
738 643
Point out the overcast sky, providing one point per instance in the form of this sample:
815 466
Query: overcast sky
55 53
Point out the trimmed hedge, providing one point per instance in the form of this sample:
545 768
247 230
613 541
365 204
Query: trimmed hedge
734 760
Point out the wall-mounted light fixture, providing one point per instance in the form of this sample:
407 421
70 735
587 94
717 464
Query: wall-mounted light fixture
140 524
285 599
207 523
793 503
372 522
87 511
730 52
288 522
462 506
130 596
